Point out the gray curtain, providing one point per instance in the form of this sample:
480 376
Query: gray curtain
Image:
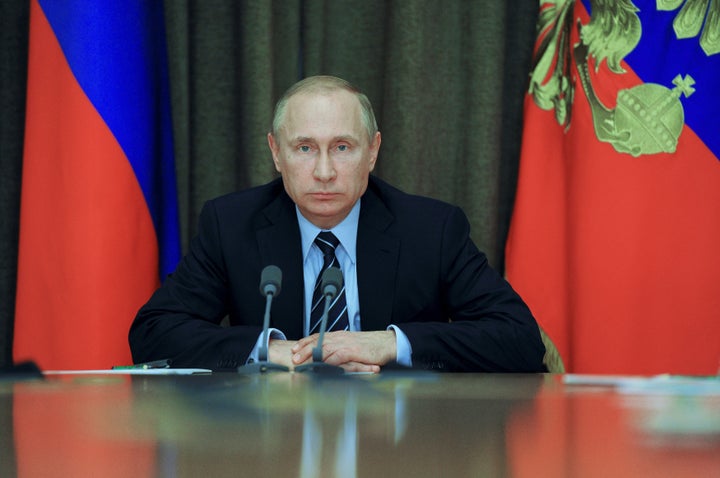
446 78
13 74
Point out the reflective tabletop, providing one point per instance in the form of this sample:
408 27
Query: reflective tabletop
390 424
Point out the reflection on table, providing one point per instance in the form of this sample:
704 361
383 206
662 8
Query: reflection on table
393 424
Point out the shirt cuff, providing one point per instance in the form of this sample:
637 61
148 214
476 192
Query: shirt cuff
273 334
404 349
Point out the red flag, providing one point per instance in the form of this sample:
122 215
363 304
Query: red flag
97 144
615 234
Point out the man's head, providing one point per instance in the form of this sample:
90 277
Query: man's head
324 144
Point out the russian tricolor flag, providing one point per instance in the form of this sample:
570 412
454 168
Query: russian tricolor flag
99 219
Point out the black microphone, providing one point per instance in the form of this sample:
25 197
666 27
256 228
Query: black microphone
270 280
331 284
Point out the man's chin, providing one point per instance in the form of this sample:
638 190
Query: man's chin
325 217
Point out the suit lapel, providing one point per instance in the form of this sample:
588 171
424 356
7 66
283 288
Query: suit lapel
278 241
377 260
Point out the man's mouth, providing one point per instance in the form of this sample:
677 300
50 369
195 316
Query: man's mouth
323 195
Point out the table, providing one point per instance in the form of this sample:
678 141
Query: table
391 424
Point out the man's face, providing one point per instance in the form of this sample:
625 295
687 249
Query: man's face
324 155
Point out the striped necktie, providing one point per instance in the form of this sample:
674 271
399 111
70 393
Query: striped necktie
337 314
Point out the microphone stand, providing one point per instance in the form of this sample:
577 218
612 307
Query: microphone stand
270 287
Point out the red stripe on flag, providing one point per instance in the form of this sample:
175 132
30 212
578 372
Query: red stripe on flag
88 252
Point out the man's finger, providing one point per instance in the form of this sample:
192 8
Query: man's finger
305 341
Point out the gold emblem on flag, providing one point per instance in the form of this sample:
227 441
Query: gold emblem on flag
647 118
689 21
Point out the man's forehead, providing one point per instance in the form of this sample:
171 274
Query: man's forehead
350 138
323 115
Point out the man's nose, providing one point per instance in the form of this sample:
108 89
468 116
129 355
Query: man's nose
324 167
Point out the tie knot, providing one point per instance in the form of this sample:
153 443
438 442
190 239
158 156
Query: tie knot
327 242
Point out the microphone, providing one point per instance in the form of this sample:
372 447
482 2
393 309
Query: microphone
331 284
270 280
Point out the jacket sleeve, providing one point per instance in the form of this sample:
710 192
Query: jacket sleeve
487 326
181 321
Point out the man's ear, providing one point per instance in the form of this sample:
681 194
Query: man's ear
275 150
374 149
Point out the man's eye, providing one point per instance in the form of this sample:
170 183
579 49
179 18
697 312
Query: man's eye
304 148
342 147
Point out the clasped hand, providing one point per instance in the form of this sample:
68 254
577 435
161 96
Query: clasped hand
353 351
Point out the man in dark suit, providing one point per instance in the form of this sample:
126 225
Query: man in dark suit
417 290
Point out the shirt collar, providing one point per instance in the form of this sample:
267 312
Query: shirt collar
346 232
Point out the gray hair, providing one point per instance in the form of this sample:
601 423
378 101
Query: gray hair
323 83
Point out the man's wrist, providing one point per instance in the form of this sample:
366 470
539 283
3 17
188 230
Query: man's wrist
403 349
273 334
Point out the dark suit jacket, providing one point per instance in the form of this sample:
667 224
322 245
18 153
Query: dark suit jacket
417 268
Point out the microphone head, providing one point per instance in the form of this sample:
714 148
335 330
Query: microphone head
332 281
270 280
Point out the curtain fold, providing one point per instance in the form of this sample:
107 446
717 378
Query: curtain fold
14 21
